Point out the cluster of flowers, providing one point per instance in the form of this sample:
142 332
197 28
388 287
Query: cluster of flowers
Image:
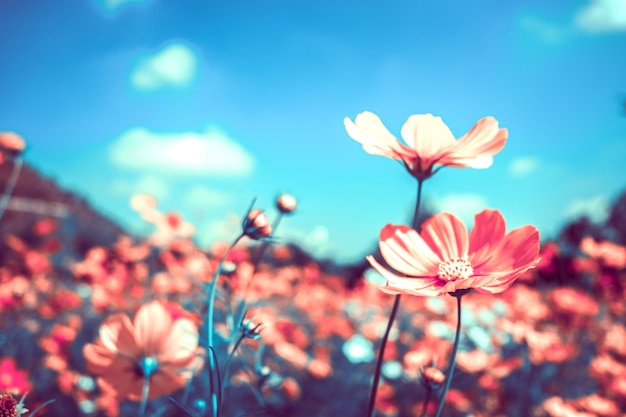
251 326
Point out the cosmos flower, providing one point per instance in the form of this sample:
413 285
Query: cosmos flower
444 258
154 348
430 142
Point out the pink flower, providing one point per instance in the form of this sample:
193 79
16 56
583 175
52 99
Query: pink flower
444 259
430 142
155 346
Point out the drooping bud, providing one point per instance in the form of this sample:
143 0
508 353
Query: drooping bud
286 203
432 377
256 225
11 143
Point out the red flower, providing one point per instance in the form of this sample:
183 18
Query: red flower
444 258
12 379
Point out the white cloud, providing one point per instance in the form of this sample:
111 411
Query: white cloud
202 197
113 5
464 206
546 31
174 65
602 16
523 165
596 208
208 153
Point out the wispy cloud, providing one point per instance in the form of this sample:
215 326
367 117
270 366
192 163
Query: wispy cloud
208 153
597 16
545 31
595 208
114 5
523 166
175 65
464 206
602 16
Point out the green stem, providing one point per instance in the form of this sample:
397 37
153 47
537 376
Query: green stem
144 395
229 359
381 354
255 266
417 203
392 316
213 289
453 358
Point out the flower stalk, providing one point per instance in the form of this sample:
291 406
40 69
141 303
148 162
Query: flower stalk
392 317
457 336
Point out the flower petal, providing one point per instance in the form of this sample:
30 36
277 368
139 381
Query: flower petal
476 148
118 336
152 326
181 342
406 252
428 135
370 131
489 229
446 235
518 251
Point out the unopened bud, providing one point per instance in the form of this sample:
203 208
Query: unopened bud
432 377
256 225
251 330
286 203
11 143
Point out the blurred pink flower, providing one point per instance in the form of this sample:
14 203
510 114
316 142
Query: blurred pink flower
430 142
609 253
444 258
155 346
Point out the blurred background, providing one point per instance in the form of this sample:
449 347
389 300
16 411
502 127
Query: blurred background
208 104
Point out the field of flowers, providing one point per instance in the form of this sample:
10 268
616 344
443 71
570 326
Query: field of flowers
161 327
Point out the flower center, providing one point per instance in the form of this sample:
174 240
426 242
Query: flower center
147 366
455 269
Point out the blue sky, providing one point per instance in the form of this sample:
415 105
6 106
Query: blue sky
207 104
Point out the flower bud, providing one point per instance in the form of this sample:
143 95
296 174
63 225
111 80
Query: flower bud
11 143
286 203
251 330
256 225
432 377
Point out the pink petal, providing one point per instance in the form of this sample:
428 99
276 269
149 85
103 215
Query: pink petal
181 342
118 336
370 131
518 251
406 252
476 148
488 231
446 235
412 282
428 135
152 326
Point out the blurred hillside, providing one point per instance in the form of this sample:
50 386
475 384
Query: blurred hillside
36 197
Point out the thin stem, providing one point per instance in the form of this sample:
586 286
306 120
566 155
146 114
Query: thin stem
426 401
453 358
144 395
6 196
417 203
255 265
230 358
381 354
392 316
212 291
